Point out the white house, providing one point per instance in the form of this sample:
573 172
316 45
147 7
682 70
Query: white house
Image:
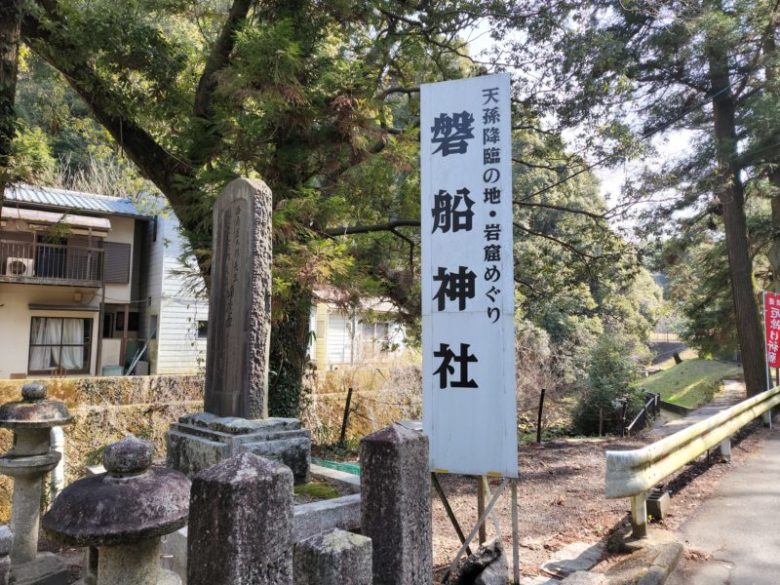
90 284
345 335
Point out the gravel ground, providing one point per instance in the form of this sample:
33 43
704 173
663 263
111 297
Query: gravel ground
561 497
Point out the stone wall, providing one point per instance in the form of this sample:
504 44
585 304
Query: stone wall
106 410
380 397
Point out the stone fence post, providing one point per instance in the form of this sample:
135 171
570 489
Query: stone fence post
240 529
336 557
396 505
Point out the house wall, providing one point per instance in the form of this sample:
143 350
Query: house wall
177 349
16 319
16 315
340 339
334 339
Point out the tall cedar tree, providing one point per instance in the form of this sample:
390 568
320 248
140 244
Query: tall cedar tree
621 72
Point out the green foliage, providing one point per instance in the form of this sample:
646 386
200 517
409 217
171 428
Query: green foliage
619 74
579 279
316 490
59 142
32 160
696 262
319 100
611 376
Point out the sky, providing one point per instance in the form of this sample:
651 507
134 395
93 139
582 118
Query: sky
668 145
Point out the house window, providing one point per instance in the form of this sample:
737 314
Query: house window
60 346
133 321
375 339
203 329
117 262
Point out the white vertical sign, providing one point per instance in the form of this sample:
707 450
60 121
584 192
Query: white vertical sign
469 402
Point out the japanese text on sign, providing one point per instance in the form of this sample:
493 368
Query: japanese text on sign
468 275
772 328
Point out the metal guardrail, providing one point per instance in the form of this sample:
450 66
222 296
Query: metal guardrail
649 411
631 474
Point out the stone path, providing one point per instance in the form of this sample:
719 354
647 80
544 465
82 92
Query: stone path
733 391
578 556
735 529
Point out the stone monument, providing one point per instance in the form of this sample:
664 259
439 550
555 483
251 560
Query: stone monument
236 399
28 462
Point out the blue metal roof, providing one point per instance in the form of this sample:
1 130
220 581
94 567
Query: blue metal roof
52 198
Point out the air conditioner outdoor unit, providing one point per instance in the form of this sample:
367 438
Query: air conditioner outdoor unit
19 267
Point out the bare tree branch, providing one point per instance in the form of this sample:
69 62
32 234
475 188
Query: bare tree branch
590 214
367 229
583 255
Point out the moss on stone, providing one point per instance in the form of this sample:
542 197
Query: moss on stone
316 490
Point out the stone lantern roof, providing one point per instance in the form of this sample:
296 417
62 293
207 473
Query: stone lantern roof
132 502
34 411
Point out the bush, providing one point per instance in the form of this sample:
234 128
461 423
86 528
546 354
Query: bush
611 374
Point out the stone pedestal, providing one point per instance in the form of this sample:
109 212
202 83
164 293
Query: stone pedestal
201 440
123 513
241 524
28 462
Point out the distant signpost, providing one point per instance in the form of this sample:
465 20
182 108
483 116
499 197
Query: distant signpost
772 334
772 328
469 401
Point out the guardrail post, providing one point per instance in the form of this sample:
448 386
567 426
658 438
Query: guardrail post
725 450
767 416
639 515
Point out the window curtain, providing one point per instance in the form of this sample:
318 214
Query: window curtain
40 357
57 343
72 357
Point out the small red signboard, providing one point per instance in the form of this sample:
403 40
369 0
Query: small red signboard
772 328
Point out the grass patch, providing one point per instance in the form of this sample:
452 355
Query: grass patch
316 490
686 354
691 383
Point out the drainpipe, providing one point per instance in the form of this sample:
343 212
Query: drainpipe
101 316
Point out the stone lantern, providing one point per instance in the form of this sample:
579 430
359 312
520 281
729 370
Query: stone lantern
123 513
28 462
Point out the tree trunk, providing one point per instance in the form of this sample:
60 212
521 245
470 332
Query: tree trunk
771 73
10 30
289 355
732 198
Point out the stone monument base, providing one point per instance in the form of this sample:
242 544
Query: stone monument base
46 569
201 440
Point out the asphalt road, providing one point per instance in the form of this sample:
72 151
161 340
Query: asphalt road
738 526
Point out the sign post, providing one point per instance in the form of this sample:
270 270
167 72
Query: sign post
771 333
469 400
